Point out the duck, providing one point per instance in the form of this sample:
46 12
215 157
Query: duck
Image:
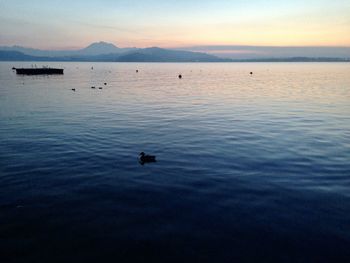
180 76
145 158
99 87
93 87
73 89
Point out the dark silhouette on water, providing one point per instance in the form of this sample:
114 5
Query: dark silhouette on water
73 89
99 87
145 158
93 87
137 71
39 71
105 83
251 73
180 76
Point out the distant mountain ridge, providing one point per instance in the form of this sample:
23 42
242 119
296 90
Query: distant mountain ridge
107 52
155 54
94 49
102 51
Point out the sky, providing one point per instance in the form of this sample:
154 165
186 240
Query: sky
63 24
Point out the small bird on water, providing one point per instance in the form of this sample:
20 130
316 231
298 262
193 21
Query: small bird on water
73 89
180 76
145 158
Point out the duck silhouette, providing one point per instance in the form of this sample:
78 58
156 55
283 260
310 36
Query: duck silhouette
145 158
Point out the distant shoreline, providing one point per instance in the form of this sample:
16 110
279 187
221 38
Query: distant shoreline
158 55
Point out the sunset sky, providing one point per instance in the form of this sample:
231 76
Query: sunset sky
72 24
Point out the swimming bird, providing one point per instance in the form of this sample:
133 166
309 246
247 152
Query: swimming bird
99 87
180 76
105 83
137 71
145 158
93 87
73 89
251 73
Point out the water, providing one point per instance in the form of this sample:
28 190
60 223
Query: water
250 168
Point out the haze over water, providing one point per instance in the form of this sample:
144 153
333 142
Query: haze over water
249 167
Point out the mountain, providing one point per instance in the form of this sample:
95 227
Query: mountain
103 51
19 56
161 56
156 54
101 48
107 52
95 49
98 49
28 51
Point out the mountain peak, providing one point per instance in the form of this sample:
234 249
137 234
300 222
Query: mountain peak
100 48
101 44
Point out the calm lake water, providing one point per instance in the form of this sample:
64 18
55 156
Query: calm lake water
250 168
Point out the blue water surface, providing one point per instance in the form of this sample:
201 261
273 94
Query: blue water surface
250 168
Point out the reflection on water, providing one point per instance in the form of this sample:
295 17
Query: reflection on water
249 167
